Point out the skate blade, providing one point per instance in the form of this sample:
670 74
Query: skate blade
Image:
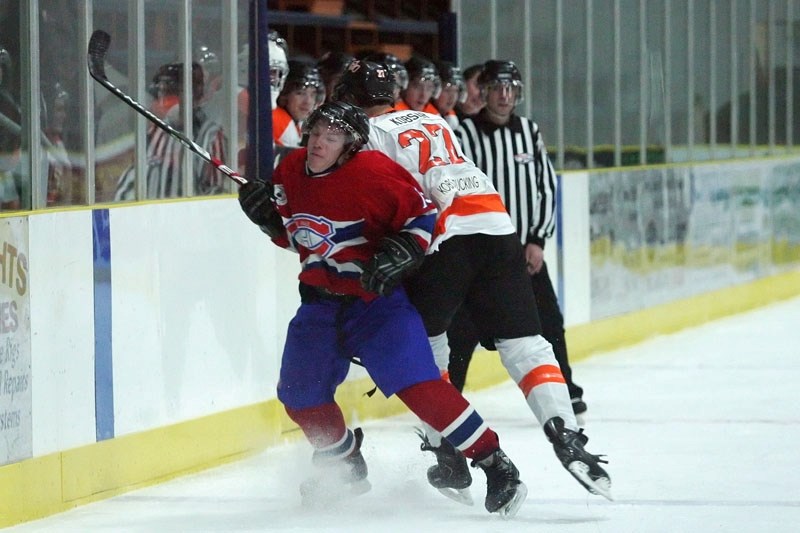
510 509
600 486
462 496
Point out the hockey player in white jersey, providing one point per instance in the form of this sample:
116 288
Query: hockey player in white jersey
475 259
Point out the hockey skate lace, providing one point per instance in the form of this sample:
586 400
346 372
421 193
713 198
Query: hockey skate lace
500 475
426 445
584 439
576 440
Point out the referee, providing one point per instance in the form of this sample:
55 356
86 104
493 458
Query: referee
509 149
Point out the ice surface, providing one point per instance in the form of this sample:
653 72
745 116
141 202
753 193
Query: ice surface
701 429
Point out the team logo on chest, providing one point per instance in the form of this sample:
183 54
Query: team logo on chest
312 233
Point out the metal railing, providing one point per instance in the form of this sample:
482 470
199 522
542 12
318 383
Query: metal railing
624 82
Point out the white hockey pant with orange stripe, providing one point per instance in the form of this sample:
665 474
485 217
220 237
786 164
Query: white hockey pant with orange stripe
532 365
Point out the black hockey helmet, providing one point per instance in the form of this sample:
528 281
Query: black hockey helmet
331 66
421 69
497 73
333 63
451 76
346 117
301 76
168 80
364 84
393 63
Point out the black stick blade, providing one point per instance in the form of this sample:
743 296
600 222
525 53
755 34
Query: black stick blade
98 46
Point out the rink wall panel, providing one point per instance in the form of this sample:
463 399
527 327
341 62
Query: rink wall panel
199 311
195 302
62 330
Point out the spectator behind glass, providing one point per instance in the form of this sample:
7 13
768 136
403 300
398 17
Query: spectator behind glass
10 136
61 190
164 172
213 98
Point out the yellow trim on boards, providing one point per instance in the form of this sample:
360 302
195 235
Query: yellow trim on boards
54 483
625 330
57 482
616 332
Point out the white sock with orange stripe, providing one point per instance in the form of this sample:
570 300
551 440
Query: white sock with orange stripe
532 365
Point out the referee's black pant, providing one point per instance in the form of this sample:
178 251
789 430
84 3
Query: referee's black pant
463 336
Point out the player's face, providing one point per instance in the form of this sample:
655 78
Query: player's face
448 98
418 93
325 145
301 102
474 101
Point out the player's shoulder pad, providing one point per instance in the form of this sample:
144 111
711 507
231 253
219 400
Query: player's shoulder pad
291 159
375 159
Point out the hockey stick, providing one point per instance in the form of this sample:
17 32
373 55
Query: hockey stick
15 129
98 46
9 125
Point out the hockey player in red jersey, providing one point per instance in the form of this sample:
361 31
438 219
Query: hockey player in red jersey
475 259
360 224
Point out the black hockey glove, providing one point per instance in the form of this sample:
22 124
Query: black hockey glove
398 256
255 197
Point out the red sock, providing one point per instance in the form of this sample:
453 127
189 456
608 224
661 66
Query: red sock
322 425
441 406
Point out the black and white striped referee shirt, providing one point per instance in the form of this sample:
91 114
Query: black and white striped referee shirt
165 165
514 157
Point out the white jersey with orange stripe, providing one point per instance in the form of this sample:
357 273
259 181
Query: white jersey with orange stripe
426 146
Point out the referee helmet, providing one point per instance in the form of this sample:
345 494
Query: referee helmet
501 74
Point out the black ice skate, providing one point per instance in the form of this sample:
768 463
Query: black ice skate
504 491
450 475
338 478
584 466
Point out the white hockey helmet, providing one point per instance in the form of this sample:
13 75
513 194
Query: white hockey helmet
278 65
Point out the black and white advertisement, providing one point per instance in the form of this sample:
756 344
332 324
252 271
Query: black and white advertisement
15 346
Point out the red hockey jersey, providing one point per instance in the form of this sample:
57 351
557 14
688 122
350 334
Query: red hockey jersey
336 221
